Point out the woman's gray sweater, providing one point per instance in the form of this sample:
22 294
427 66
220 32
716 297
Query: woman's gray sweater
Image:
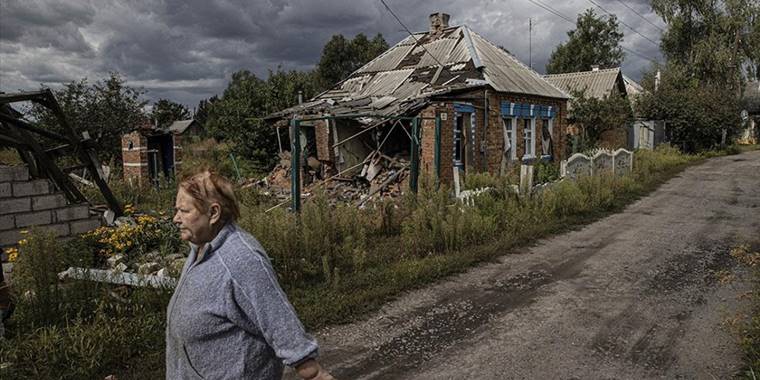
229 318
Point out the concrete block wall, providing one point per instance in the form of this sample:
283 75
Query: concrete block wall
26 202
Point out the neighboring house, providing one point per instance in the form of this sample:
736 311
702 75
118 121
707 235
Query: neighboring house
599 84
751 113
493 110
149 152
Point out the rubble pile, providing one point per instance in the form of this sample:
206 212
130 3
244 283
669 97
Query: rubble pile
381 176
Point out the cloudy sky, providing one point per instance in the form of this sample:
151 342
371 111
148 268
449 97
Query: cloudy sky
187 50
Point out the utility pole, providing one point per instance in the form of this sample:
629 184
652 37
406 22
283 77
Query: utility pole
530 43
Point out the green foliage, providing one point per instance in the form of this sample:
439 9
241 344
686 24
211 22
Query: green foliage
544 171
595 41
341 56
10 157
165 112
712 40
106 109
596 116
696 111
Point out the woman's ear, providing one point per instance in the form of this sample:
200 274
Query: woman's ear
215 213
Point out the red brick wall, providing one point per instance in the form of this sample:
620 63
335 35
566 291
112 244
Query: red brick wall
489 157
135 158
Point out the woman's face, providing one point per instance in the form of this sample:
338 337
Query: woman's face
194 225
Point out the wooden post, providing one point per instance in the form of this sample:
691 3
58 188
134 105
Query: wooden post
295 165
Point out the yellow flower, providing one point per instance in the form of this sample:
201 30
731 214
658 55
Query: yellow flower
12 254
23 242
23 232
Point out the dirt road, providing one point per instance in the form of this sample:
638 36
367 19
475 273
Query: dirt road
633 296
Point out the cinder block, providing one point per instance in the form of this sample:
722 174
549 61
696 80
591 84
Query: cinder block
33 219
72 213
46 202
82 226
61 229
36 187
5 190
15 205
10 238
14 173
7 222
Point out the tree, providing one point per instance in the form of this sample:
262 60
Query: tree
203 109
595 41
165 112
106 109
697 113
597 116
715 40
341 57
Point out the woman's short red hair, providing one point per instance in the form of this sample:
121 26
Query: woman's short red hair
207 187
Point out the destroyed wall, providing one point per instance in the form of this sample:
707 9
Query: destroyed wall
26 202
134 147
136 156
488 141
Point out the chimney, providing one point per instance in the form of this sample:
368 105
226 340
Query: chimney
594 67
438 22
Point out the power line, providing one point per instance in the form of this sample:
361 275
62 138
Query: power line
623 22
569 20
639 14
412 34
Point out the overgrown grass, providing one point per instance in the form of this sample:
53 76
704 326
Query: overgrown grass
336 264
749 332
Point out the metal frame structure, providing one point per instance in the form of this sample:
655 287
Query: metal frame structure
24 137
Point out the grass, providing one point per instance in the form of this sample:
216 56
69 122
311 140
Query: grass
336 263
749 331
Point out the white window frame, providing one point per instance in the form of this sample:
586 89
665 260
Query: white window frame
511 133
529 137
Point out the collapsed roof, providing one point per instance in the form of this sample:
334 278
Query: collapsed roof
423 65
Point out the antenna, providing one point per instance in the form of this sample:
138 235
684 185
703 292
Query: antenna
530 43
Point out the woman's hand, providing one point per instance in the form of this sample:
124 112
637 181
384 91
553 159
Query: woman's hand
311 370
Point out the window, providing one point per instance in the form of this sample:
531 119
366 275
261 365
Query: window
546 137
463 158
529 135
510 138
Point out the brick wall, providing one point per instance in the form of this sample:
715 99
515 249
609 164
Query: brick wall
26 202
134 153
487 151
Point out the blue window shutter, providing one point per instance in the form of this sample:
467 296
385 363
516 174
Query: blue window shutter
464 108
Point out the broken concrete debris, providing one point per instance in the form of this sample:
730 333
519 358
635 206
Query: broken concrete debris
378 176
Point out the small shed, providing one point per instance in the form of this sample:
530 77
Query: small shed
150 153
751 113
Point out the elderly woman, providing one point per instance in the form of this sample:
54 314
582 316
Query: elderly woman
228 317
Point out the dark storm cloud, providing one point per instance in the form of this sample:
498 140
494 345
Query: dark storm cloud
187 50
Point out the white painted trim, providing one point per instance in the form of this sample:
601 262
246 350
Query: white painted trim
141 149
133 165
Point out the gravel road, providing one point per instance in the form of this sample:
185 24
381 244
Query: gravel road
635 295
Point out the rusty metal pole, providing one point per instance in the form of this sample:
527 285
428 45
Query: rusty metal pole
414 170
295 165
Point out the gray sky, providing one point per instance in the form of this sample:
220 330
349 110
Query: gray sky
187 50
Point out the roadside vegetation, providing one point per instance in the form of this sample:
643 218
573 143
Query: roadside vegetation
749 325
336 263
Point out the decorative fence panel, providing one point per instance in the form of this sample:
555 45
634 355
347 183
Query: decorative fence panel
619 162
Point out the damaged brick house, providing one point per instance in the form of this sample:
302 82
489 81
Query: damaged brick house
481 109
150 152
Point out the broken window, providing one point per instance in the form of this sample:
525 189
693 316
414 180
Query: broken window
529 135
462 131
546 137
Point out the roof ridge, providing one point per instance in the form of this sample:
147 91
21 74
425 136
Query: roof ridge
585 72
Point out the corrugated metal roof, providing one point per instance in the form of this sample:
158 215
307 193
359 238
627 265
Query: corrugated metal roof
180 126
385 83
631 87
388 60
506 73
406 70
596 84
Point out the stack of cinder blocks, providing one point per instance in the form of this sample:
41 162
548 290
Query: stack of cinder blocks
27 203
